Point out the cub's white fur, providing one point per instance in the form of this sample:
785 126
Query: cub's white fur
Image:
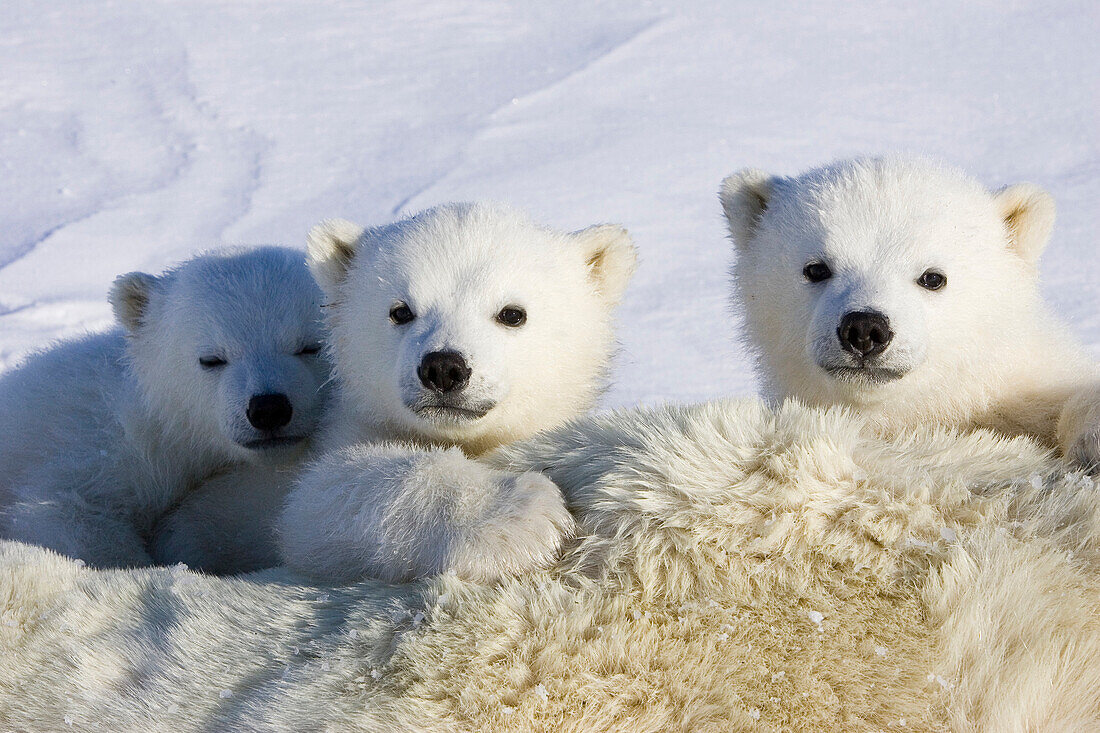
101 435
226 524
441 283
980 351
423 512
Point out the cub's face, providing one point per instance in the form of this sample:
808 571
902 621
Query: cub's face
859 278
469 324
230 346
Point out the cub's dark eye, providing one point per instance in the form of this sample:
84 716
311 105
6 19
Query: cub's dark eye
932 280
309 350
512 316
816 272
211 362
401 314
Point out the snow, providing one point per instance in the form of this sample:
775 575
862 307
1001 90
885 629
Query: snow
134 134
941 681
916 542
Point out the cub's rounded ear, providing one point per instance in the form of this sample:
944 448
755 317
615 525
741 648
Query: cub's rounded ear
1028 215
129 298
744 196
610 256
331 247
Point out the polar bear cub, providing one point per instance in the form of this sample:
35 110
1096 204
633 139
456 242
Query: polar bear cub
908 291
217 363
456 331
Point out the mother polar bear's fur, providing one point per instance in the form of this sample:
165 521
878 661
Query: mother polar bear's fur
737 569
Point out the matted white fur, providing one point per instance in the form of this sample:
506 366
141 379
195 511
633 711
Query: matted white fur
980 351
99 436
736 569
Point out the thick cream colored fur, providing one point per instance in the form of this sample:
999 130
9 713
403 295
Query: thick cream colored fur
983 351
734 569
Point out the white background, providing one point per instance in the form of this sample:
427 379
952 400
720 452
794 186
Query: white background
135 134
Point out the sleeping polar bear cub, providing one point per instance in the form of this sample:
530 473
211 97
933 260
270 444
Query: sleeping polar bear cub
909 292
217 364
456 331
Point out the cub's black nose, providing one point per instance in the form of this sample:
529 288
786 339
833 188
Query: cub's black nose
864 333
444 371
269 411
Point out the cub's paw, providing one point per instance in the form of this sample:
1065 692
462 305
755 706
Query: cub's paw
522 529
398 514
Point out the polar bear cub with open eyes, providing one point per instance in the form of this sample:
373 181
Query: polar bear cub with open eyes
908 291
456 331
217 364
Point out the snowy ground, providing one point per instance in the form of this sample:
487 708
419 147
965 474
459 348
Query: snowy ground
135 133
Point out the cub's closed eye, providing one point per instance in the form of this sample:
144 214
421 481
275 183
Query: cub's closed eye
932 280
309 350
512 316
211 362
401 314
816 272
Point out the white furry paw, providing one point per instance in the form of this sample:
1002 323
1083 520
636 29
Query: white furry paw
398 513
523 531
